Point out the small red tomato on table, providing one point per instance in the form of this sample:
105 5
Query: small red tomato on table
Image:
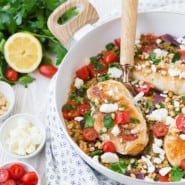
47 70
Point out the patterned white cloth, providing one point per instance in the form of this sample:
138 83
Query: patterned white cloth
63 164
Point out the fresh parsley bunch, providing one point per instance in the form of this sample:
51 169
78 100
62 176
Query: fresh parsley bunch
31 15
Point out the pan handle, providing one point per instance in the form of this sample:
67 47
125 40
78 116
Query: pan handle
64 32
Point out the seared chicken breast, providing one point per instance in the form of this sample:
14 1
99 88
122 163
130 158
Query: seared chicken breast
111 97
164 76
174 146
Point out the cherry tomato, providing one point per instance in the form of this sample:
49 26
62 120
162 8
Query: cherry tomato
70 110
180 122
109 147
145 88
84 108
117 41
83 73
90 134
182 52
149 48
4 175
122 117
127 136
163 178
159 129
11 74
97 69
47 70
10 182
16 171
182 164
110 57
30 178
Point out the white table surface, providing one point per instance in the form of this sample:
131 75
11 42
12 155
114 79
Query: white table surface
34 100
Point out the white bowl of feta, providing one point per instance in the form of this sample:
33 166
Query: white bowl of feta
7 100
22 136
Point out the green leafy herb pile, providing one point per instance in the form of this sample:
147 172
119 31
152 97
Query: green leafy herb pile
31 16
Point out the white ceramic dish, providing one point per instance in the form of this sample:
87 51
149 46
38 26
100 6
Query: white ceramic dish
151 22
11 123
7 91
26 165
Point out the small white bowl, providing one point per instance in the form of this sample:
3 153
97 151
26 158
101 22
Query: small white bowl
20 122
7 91
26 165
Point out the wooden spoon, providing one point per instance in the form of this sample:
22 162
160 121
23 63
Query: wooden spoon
128 35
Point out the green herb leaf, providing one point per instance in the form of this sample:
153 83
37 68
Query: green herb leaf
120 167
109 46
153 58
96 152
176 57
161 105
134 120
103 78
25 80
176 174
89 121
108 121
135 164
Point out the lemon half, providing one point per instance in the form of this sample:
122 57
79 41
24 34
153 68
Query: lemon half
23 52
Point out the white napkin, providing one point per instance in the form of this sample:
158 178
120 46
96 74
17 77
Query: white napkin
63 165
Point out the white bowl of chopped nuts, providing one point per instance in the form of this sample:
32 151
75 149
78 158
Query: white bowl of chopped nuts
22 136
7 100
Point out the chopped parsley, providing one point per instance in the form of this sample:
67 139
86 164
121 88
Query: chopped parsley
176 57
96 152
153 58
134 120
108 121
109 46
89 121
176 174
120 167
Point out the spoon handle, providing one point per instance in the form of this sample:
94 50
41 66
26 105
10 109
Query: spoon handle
128 31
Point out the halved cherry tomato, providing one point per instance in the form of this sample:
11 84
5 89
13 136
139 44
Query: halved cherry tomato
16 171
127 135
182 164
164 178
70 110
117 42
109 147
4 175
89 134
30 178
182 52
84 108
110 57
10 182
122 117
83 73
97 69
11 74
149 48
159 129
145 88
180 122
47 70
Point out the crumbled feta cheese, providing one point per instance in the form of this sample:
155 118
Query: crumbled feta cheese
78 118
169 120
154 69
78 83
158 142
109 107
158 115
109 157
158 41
150 166
114 72
164 171
138 96
115 130
157 160
183 110
174 72
176 103
148 179
182 136
24 138
157 150
181 40
182 74
96 158
160 52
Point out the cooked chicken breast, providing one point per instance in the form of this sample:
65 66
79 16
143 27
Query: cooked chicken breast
165 77
174 146
116 93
